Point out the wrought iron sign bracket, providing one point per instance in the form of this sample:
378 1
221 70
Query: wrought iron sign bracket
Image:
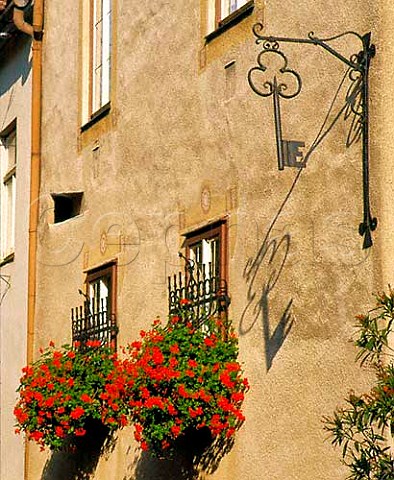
285 84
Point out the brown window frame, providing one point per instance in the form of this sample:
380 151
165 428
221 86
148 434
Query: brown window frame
94 274
108 269
217 229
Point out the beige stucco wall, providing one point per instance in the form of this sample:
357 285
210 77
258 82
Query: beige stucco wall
178 124
15 101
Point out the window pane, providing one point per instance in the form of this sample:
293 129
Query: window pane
101 54
230 6
99 291
9 143
106 52
100 308
11 191
205 254
8 194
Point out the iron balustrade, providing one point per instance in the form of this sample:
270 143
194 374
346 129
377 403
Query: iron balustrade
202 293
93 321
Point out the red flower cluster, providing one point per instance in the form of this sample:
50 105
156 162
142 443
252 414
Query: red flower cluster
64 388
179 378
175 378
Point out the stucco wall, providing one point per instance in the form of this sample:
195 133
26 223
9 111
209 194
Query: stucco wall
181 122
15 101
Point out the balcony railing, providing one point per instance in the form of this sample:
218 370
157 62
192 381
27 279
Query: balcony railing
93 321
204 294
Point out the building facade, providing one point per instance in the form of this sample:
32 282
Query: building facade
15 149
154 143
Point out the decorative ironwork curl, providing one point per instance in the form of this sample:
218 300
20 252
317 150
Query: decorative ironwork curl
257 28
5 279
205 292
356 105
267 45
274 85
93 321
312 36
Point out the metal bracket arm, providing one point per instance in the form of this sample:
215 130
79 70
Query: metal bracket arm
287 84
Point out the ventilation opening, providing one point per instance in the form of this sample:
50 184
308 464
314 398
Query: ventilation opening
67 205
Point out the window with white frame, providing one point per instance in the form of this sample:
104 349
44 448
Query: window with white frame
96 40
221 10
7 193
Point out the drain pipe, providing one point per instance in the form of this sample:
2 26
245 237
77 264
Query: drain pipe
37 28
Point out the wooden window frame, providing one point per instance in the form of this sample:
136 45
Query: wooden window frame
217 229
108 269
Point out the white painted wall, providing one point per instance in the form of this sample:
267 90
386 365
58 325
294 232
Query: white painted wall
15 103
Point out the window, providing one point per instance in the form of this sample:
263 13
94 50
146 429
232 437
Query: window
206 278
222 13
227 7
204 250
8 193
96 58
96 320
100 289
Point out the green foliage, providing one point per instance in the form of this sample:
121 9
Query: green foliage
363 428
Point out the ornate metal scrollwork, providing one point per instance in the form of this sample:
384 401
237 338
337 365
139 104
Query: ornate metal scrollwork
278 82
205 292
93 321
265 81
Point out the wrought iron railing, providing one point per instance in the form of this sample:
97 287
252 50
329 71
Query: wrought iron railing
202 293
93 321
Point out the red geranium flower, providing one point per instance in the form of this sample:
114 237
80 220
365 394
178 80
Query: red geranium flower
182 378
77 412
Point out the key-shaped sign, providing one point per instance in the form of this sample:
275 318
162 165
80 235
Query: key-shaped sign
268 79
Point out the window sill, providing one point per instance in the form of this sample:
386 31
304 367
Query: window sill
8 259
97 116
231 20
67 220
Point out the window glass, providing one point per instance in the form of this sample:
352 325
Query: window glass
219 10
206 255
96 319
8 194
99 293
230 6
96 51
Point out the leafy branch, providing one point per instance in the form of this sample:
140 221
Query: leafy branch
363 428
